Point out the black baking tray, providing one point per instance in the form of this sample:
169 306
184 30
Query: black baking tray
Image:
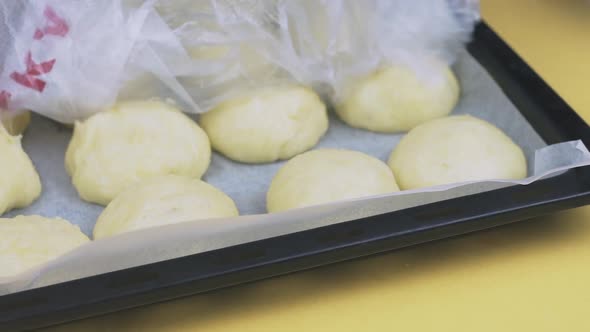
551 117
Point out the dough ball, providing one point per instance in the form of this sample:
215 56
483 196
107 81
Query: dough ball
239 67
19 182
227 71
241 60
16 124
269 125
321 32
115 149
398 98
163 200
328 175
29 241
223 64
456 149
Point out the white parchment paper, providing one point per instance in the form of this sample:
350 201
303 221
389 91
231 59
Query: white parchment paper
46 142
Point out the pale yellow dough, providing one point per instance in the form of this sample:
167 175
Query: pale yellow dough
242 63
397 98
134 141
19 182
29 241
328 175
210 43
456 149
160 201
268 125
16 125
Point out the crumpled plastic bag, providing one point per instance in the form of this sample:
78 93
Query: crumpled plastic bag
67 59
319 43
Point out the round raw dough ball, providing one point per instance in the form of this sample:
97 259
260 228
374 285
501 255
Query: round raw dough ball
19 182
163 200
269 125
223 65
16 124
29 241
328 175
115 149
456 149
237 69
398 98
241 66
246 61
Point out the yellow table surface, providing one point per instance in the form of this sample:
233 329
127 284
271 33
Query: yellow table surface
529 276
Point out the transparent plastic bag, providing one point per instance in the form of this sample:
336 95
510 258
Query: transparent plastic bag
67 59
227 41
317 43
348 39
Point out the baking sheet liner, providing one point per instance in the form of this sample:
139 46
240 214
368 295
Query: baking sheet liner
46 143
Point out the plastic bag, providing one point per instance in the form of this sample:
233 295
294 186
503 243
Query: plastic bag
67 59
319 43
226 41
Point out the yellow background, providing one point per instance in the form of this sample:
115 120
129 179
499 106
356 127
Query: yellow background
530 276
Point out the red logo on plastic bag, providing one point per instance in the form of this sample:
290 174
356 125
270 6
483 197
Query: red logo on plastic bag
56 25
38 68
29 81
4 98
34 69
